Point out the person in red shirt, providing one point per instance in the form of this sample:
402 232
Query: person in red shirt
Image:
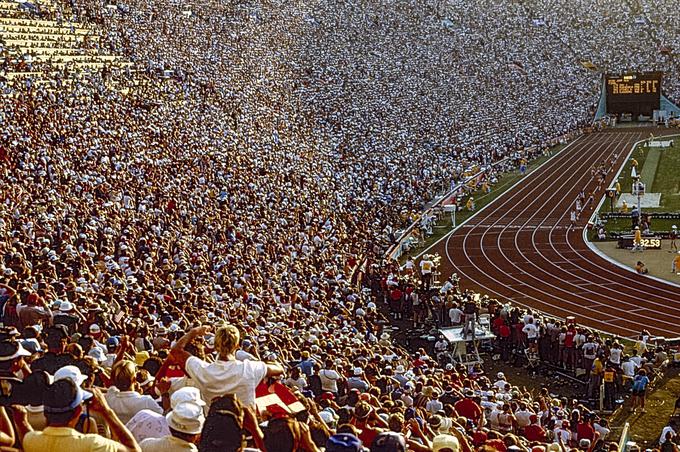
396 297
533 431
498 321
505 341
368 423
469 409
586 430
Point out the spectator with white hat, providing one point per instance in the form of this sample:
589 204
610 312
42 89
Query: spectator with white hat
185 422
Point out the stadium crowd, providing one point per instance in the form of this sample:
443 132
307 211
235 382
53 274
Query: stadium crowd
239 172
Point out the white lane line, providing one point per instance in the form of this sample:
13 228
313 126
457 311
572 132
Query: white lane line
604 256
532 191
549 160
568 160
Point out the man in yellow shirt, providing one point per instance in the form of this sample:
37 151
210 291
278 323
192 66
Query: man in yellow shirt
596 373
676 263
637 240
63 406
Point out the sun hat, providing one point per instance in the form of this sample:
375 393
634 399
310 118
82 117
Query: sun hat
70 373
440 442
362 410
148 424
63 396
186 394
66 306
186 417
98 354
10 350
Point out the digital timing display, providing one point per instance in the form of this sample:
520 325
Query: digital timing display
630 84
636 93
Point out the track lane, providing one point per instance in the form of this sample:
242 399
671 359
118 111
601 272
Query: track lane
520 249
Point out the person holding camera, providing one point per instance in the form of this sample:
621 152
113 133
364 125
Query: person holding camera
226 375
64 403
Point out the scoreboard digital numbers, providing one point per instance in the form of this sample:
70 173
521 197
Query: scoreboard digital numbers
637 93
630 85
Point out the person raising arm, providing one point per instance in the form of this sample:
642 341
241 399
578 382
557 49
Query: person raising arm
226 375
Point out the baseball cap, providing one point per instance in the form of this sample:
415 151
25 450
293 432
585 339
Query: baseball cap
112 342
186 417
343 442
388 442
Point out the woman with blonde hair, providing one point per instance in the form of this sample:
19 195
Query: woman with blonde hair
226 375
123 396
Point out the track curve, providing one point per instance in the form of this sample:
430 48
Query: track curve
521 248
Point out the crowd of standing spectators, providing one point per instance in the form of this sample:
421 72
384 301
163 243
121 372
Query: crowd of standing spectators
238 173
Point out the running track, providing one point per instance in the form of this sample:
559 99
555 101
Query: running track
520 248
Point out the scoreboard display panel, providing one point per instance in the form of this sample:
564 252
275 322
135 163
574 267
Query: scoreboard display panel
636 93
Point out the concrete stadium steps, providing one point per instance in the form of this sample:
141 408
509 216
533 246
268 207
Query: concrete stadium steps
51 44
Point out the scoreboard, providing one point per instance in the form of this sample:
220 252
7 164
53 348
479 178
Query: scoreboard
636 93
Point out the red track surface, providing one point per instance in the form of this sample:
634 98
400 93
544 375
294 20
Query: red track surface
520 248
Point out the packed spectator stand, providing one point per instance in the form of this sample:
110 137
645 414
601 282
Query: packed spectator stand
171 167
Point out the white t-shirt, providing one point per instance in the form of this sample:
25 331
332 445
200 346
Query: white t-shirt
500 384
590 350
446 287
628 368
615 355
566 435
329 380
227 377
603 431
426 266
128 403
523 417
242 355
456 315
531 330
665 430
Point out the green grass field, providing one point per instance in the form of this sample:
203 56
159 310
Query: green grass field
666 181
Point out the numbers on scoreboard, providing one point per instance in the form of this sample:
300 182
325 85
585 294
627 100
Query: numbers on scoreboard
631 86
651 243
